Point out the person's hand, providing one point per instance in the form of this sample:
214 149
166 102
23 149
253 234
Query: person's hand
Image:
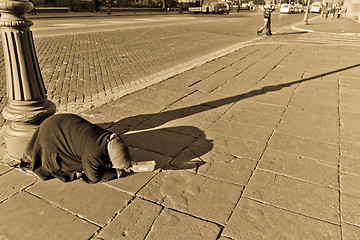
78 175
119 173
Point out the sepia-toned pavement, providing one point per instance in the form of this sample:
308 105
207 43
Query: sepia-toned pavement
261 143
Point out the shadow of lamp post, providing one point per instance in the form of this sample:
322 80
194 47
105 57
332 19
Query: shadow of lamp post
27 103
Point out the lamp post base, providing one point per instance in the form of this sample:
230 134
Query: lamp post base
17 136
23 118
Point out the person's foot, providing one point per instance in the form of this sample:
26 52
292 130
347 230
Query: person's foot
259 33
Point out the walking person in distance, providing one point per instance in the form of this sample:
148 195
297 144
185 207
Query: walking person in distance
267 20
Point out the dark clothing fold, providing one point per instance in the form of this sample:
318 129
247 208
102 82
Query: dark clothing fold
65 144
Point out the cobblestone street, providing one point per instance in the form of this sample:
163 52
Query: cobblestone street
94 67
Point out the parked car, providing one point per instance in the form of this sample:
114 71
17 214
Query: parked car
285 8
236 7
195 9
221 8
298 8
315 7
245 6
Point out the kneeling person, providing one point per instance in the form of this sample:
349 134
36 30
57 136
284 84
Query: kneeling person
68 147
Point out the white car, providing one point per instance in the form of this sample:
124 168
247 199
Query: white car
315 7
285 8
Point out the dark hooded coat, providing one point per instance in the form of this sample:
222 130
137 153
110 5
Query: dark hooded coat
65 144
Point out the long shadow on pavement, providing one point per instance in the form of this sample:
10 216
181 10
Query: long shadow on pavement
166 116
173 140
289 33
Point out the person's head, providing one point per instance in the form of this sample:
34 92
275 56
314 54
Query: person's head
118 152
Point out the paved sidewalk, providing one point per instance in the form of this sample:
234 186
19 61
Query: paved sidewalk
262 143
331 25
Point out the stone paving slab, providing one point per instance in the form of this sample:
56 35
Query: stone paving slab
199 116
349 83
189 159
321 79
187 78
350 198
319 90
348 99
235 87
180 125
212 67
27 217
350 132
241 131
251 118
83 199
350 164
263 108
315 102
173 85
302 122
351 73
132 223
305 147
197 195
233 146
163 141
350 184
216 165
350 232
350 148
328 77
4 168
175 225
299 196
349 209
217 79
9 187
280 97
134 182
304 168
255 220
207 99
